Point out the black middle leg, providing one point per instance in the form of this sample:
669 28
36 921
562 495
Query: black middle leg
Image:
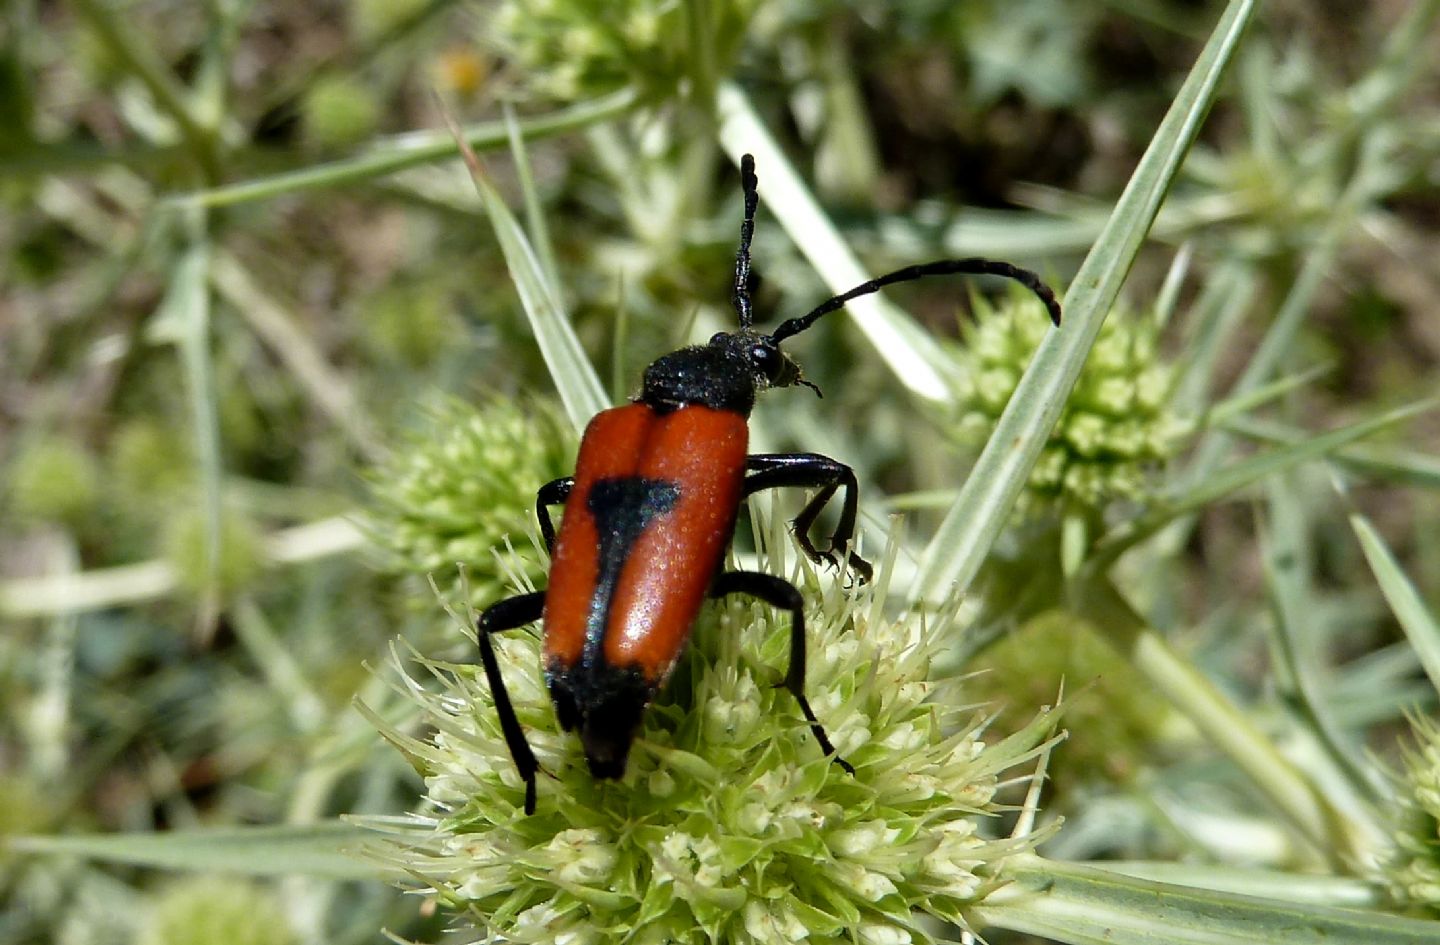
813 471
509 614
779 592
554 492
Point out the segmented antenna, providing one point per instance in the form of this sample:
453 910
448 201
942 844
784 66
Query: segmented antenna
741 296
942 267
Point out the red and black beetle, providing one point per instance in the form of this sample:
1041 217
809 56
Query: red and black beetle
650 512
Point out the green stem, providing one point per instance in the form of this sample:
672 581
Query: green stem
146 66
1222 722
410 150
1068 902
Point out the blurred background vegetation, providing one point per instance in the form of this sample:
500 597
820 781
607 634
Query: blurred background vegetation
256 335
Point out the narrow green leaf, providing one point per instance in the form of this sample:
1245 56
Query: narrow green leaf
1341 891
183 319
1421 627
980 511
309 850
1243 403
579 386
1232 479
1400 466
408 150
1302 684
1083 905
1330 832
534 211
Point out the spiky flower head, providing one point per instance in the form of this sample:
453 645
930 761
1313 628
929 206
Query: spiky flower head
729 825
1117 425
53 480
568 50
463 483
215 910
1413 871
237 549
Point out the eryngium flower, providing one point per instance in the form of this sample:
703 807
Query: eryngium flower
729 825
1116 426
456 490
1414 867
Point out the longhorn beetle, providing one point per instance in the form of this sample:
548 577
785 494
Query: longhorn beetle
651 510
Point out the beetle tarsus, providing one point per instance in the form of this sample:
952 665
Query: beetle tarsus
812 470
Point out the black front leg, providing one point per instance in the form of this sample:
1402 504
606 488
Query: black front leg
779 592
505 615
813 471
554 492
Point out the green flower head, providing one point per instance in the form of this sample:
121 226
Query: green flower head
1413 870
1117 426
460 486
729 825
216 910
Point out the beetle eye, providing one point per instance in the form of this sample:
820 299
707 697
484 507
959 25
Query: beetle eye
766 359
718 337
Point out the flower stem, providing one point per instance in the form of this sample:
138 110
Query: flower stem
1224 724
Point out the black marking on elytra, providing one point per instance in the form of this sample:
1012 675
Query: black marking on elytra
605 703
622 509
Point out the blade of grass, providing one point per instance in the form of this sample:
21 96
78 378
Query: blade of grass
975 521
1084 905
1209 327
1301 680
407 150
103 588
1233 478
909 351
1224 724
1262 883
183 319
311 850
1169 295
534 213
1239 404
1401 467
1421 627
579 386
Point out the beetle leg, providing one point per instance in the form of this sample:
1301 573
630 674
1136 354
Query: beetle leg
811 470
779 592
554 492
500 616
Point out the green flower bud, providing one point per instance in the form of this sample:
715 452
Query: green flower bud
54 480
340 111
1413 870
240 558
1117 427
213 910
457 489
567 51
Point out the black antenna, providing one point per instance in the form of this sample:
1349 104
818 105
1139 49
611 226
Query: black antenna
941 267
741 297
